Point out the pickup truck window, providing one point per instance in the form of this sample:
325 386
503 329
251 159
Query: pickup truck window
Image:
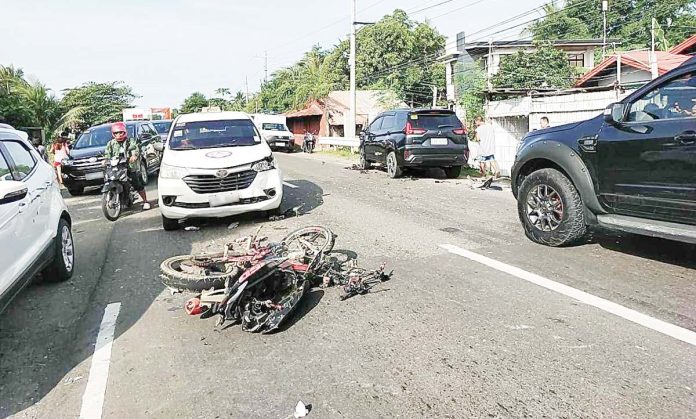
674 99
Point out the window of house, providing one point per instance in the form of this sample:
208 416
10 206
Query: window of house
576 60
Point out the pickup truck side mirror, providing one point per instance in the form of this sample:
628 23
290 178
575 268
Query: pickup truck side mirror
12 191
614 113
158 146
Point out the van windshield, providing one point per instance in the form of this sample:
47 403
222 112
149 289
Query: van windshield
267 126
214 134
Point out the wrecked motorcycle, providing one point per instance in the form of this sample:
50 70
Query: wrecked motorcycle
253 282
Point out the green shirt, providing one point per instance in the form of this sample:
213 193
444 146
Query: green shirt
114 148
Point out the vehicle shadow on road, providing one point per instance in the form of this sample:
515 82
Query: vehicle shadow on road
654 248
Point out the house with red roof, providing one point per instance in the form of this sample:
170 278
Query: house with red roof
633 68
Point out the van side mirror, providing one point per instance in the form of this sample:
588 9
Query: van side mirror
614 113
12 191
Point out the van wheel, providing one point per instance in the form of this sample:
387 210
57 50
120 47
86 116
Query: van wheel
169 224
393 169
551 209
452 172
63 264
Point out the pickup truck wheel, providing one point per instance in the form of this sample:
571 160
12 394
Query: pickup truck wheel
143 172
551 209
76 191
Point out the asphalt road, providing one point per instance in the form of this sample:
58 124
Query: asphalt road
447 337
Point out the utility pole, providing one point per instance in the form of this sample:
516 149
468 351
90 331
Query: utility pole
246 83
349 131
434 96
605 6
265 67
653 60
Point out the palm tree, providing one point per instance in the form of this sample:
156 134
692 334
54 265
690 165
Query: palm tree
41 101
10 77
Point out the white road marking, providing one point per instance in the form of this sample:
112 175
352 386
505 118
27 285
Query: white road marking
668 329
91 220
290 185
93 399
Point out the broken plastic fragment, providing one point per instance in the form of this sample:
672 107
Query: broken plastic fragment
301 410
192 228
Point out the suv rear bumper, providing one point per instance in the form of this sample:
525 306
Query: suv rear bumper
414 156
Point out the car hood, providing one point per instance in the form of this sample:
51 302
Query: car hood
276 133
564 127
216 158
82 153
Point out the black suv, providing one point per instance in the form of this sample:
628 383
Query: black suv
631 169
415 138
84 167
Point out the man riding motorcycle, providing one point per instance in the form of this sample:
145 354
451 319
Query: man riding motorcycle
122 144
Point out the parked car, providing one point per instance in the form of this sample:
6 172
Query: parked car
419 138
35 226
84 167
162 126
275 131
216 165
632 168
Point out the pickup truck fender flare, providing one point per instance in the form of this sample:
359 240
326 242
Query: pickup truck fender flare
533 155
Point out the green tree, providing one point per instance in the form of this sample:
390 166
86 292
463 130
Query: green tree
628 20
547 67
470 83
194 103
43 104
98 102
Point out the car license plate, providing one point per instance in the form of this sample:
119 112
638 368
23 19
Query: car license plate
225 198
280 144
94 176
439 141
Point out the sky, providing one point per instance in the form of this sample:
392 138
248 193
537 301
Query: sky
167 49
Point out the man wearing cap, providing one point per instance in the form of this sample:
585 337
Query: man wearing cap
121 144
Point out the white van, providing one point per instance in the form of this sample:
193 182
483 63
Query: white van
275 131
216 165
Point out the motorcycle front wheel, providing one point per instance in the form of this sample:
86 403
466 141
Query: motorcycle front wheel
111 204
310 240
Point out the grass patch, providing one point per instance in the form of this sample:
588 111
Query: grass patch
469 171
344 152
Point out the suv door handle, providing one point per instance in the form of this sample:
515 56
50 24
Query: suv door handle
686 137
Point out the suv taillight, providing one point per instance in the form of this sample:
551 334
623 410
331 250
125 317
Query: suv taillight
413 131
459 131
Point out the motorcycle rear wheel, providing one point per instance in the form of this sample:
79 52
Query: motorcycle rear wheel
111 205
196 272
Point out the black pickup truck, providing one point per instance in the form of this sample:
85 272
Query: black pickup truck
631 169
84 167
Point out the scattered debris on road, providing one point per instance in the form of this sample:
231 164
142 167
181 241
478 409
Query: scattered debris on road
72 380
233 225
192 228
301 410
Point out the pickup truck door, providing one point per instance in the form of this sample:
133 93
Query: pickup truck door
647 164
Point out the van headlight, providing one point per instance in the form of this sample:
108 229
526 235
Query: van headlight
172 172
263 165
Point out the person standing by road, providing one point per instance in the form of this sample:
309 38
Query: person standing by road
544 122
60 152
121 144
485 135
